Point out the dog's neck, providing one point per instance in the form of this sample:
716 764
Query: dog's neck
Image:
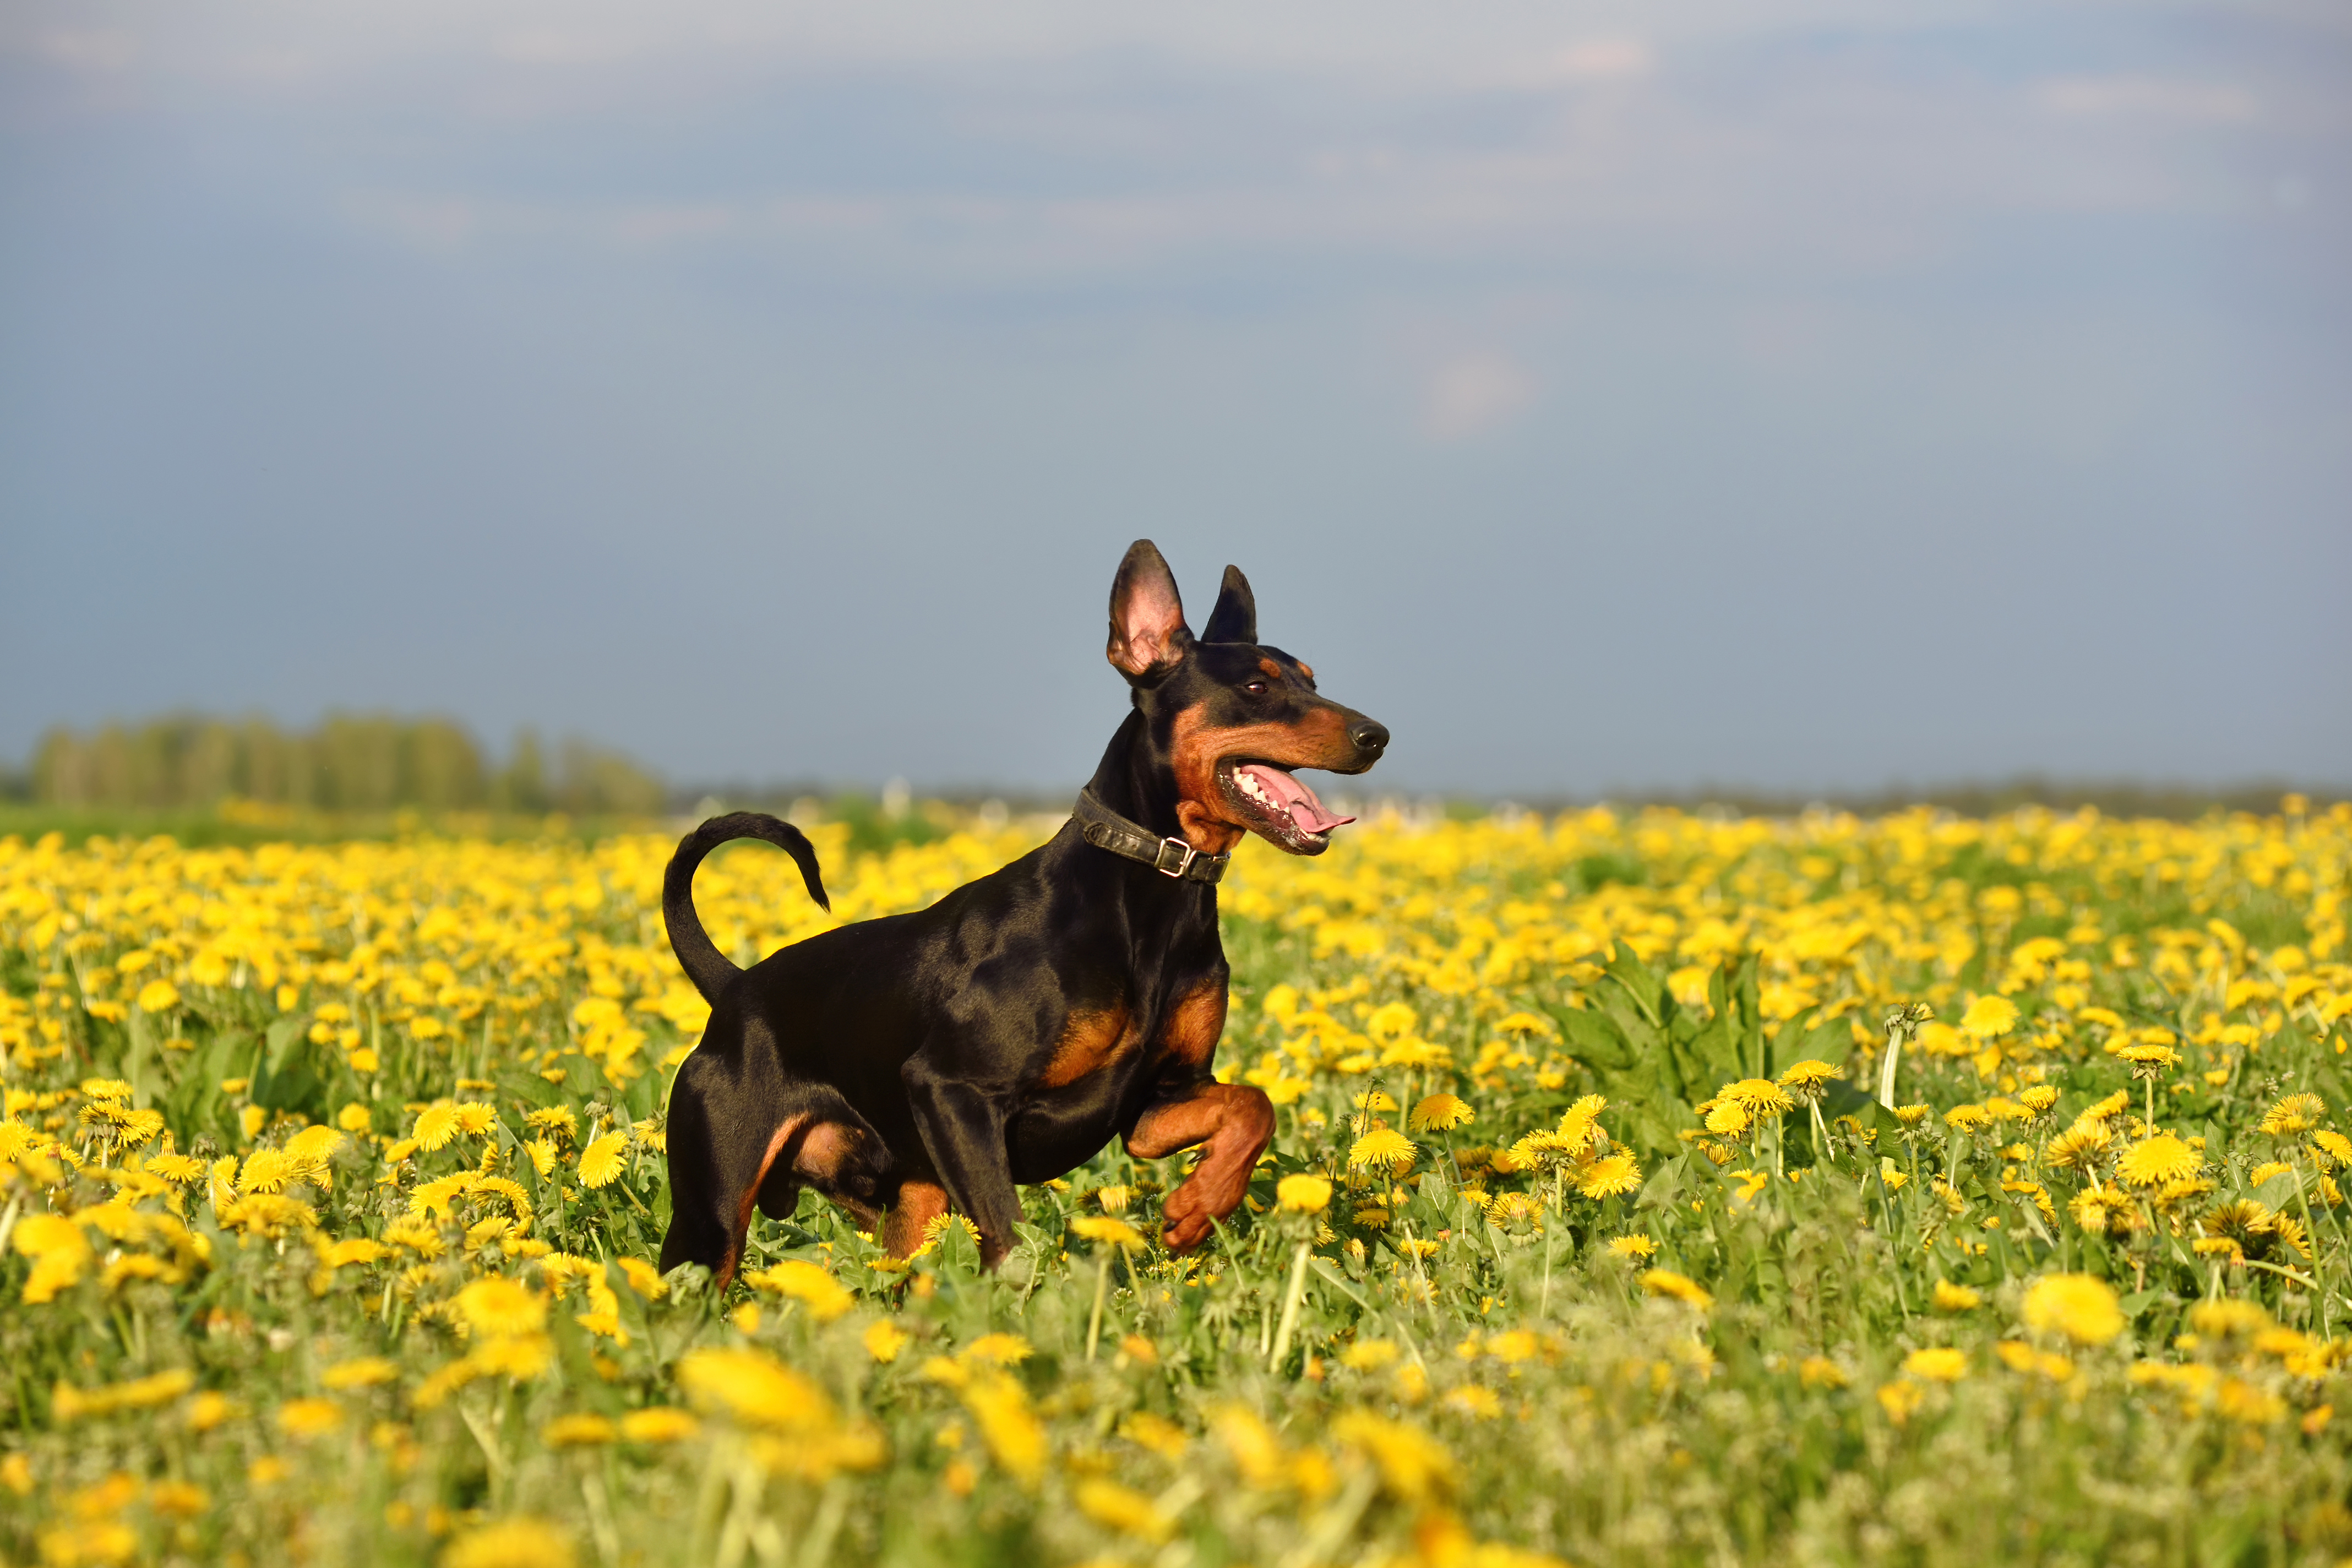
1134 781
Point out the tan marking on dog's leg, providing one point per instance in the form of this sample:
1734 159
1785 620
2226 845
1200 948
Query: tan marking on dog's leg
1236 1122
725 1273
1088 1040
1195 1025
919 1203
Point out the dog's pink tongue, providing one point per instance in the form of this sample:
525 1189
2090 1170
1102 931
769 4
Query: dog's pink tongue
1310 814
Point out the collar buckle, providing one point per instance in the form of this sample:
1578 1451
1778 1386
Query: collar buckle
1184 855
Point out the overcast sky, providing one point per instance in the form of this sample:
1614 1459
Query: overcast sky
1795 393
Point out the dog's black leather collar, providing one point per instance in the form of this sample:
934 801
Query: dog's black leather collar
1107 829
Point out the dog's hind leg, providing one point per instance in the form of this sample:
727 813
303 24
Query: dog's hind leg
721 1153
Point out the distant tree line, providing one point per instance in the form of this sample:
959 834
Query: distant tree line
350 762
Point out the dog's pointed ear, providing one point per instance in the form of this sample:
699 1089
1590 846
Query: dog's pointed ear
1236 618
1147 634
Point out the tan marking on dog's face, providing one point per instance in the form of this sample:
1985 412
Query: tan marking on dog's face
1319 740
1088 1040
1272 670
1195 1025
1306 669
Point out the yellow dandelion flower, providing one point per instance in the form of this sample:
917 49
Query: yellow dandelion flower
1014 1437
497 1305
1951 1298
883 1340
1759 1097
1900 1400
1609 1177
1384 1147
2019 1356
309 1418
935 1229
643 1278
2039 1098
756 1389
2223 1319
158 996
2152 1161
1680 1287
1114 1198
1155 1433
658 1424
519 1543
1988 1017
1913 1115
2079 1147
1440 1113
363 1372
2077 1305
1414 1465
1302 1194
997 1350
602 1161
1941 1364
1116 1508
1632 1246
556 1120
1820 1371
2293 1114
578 1431
436 1126
1727 1117
826 1297
1479 1404
1103 1229
2112 1106
1809 1081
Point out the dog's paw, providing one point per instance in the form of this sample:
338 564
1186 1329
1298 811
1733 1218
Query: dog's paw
1186 1221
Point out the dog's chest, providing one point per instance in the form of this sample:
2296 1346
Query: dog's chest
1124 1042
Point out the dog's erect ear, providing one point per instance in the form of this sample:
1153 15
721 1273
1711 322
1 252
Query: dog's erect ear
1236 618
1147 634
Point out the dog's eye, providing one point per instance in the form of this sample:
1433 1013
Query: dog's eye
1255 687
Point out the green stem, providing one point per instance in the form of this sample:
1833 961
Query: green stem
1102 1290
1291 1299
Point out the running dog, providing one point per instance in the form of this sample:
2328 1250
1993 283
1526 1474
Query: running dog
920 1063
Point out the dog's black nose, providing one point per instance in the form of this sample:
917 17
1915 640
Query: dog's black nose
1369 736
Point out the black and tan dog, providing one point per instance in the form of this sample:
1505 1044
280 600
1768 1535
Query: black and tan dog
906 1065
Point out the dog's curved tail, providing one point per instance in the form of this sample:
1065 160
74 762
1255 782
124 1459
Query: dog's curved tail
708 968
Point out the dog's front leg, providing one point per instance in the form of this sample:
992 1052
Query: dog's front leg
963 1126
1236 1122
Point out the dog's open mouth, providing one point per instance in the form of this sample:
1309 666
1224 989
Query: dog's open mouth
1279 808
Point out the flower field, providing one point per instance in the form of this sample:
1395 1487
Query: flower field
333 1173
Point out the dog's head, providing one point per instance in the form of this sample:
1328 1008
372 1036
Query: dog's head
1232 716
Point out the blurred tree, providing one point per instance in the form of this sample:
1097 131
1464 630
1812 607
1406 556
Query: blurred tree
351 762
